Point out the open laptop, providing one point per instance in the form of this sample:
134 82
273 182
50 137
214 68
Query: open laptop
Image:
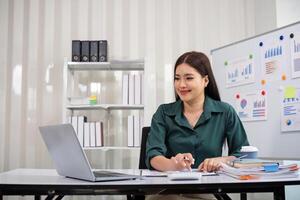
69 158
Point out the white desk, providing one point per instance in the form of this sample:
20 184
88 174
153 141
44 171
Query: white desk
46 182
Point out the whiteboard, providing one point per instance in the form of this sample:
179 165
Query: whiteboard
266 65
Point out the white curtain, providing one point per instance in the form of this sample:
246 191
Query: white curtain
36 36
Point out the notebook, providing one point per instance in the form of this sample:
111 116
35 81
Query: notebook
70 159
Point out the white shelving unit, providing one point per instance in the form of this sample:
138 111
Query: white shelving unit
107 107
114 65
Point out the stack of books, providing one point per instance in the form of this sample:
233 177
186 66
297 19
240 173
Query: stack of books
255 169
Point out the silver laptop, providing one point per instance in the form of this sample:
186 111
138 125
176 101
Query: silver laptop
69 158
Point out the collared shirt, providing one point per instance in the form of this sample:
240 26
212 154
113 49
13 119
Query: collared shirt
171 132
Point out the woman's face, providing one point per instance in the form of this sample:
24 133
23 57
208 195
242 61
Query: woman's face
189 84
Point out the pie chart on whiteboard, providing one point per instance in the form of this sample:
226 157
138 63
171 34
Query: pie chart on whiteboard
243 103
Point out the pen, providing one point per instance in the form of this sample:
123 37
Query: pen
141 174
243 156
187 159
231 163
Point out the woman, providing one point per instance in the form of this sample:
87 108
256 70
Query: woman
190 132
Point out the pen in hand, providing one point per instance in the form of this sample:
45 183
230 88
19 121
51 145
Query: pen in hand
185 158
231 163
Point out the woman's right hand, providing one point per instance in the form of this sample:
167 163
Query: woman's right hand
183 161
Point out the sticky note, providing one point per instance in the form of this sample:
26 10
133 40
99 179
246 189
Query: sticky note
290 92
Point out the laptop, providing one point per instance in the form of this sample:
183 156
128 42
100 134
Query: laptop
70 159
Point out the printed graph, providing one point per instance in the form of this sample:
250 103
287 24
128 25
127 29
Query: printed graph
259 108
240 73
296 47
259 104
291 100
247 70
272 52
251 106
233 75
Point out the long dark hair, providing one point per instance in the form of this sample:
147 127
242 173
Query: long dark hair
200 62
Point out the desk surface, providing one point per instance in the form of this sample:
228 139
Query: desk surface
23 179
49 177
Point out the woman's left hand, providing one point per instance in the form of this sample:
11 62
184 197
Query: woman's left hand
212 164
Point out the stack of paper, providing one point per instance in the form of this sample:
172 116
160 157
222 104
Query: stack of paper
250 163
283 171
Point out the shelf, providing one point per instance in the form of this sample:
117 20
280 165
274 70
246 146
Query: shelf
106 148
114 65
73 104
105 107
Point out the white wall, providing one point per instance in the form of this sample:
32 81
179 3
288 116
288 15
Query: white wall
265 16
287 12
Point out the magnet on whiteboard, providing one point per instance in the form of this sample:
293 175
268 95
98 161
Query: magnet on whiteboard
263 82
281 37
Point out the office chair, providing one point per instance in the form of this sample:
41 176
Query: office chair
142 165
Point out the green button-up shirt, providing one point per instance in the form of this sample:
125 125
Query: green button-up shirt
171 133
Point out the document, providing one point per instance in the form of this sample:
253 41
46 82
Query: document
284 171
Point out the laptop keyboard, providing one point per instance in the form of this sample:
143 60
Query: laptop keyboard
108 174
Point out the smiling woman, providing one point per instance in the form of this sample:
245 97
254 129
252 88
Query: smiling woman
190 132
192 75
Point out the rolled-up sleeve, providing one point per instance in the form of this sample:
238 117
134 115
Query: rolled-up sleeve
236 135
156 139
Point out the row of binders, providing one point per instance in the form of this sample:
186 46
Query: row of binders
247 169
132 89
90 134
134 130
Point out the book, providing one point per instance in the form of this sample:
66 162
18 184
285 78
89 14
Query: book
131 89
92 134
137 89
86 138
125 85
80 128
99 134
142 88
